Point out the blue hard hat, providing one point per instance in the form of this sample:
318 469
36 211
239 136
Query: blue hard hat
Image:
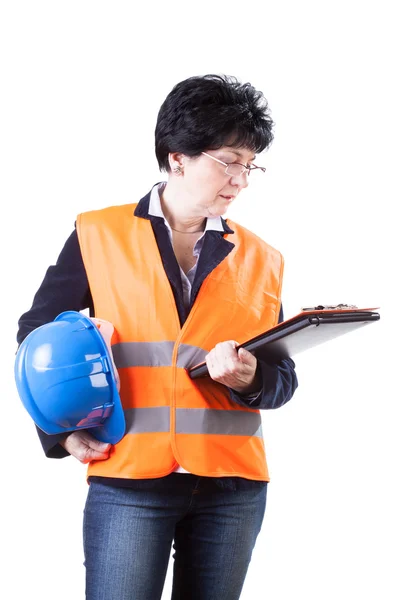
65 379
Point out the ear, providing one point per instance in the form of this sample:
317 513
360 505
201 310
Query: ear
176 159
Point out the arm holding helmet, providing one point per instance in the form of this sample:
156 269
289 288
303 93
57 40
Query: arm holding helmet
64 287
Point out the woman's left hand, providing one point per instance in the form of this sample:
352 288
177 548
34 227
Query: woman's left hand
234 368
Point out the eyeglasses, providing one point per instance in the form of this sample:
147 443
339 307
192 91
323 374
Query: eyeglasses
235 169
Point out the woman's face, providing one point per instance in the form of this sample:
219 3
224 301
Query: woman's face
208 189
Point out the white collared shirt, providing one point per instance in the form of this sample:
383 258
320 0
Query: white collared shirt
212 224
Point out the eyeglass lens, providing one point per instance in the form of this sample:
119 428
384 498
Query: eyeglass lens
235 169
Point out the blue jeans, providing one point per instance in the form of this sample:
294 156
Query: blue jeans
128 535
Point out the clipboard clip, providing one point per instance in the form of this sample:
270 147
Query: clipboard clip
315 320
330 307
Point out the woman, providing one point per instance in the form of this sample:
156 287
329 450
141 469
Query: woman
180 284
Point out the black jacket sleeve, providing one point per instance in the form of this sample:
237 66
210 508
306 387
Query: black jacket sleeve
64 287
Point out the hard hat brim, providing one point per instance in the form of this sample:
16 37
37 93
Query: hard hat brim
113 429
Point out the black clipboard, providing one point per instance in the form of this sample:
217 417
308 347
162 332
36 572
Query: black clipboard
303 331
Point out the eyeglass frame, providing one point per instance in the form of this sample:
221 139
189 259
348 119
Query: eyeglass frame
227 165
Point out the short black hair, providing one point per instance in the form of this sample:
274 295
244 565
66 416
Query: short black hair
207 112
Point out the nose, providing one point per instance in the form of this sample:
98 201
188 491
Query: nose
240 181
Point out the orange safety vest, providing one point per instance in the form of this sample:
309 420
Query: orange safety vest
170 418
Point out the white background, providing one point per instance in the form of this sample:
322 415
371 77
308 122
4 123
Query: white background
82 83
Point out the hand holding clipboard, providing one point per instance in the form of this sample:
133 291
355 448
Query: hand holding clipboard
311 327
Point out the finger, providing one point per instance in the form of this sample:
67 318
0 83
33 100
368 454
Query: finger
78 445
92 442
98 446
246 357
210 363
232 344
216 367
95 455
225 353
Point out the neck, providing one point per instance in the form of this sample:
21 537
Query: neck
175 210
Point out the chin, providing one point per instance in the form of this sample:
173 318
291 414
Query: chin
217 212
223 209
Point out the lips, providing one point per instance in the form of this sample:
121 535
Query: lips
229 198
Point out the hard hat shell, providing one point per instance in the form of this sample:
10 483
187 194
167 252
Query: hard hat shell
65 379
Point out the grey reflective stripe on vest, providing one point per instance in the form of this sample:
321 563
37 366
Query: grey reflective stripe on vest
155 354
219 422
143 354
147 420
189 356
194 420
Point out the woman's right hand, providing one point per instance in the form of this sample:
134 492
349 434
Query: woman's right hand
83 446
